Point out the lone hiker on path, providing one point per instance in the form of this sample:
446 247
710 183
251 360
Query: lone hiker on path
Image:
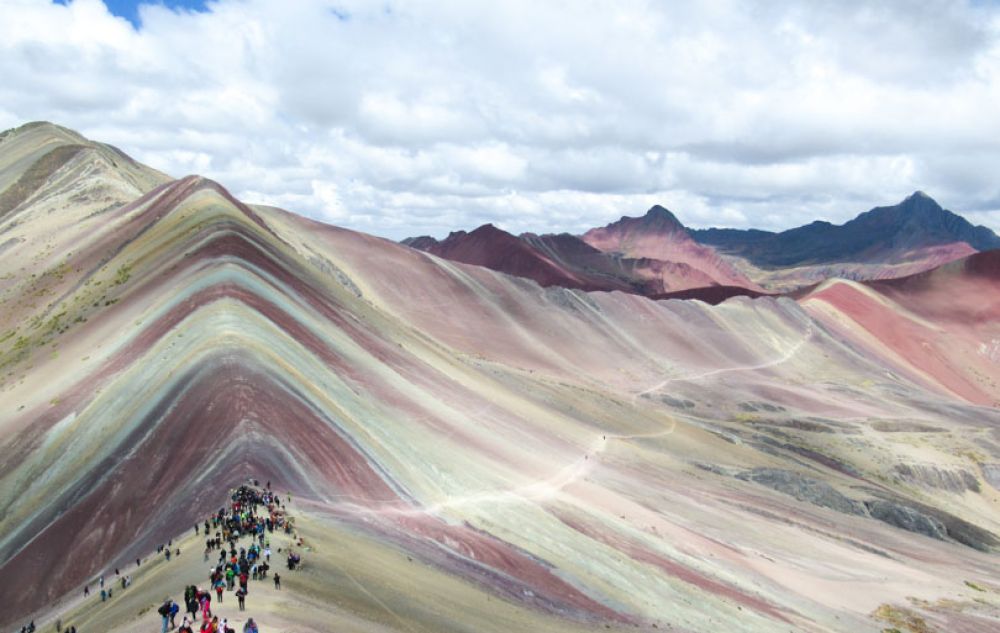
277 581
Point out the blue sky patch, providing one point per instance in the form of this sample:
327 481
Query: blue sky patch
129 9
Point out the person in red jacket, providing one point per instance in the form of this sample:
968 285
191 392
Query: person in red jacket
206 605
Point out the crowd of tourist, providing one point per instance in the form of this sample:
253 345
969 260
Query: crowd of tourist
241 533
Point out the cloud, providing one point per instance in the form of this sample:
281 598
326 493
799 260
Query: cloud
407 117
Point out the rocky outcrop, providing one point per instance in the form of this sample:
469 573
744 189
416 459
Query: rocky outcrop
953 480
930 521
906 518
991 473
804 489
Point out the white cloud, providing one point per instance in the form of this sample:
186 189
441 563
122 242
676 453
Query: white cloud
406 117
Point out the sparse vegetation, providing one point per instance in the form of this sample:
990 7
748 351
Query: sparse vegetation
123 274
902 620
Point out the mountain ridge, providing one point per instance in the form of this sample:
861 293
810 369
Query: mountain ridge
885 232
891 241
468 451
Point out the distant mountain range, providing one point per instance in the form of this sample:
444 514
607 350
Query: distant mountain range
657 256
882 234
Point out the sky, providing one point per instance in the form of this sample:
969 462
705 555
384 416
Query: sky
404 118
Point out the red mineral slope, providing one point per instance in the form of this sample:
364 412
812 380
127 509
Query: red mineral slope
941 327
498 250
659 235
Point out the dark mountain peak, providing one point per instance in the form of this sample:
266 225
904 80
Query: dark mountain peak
661 218
659 211
919 195
918 212
883 234
488 229
657 220
920 202
487 235
420 242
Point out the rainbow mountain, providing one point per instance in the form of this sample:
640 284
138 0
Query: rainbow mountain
468 450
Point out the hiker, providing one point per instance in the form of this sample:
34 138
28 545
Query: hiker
191 601
104 595
86 591
185 626
174 610
167 554
277 581
241 597
250 627
164 612
206 605
218 591
137 562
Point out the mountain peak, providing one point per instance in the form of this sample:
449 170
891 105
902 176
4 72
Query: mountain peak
661 215
45 131
919 201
